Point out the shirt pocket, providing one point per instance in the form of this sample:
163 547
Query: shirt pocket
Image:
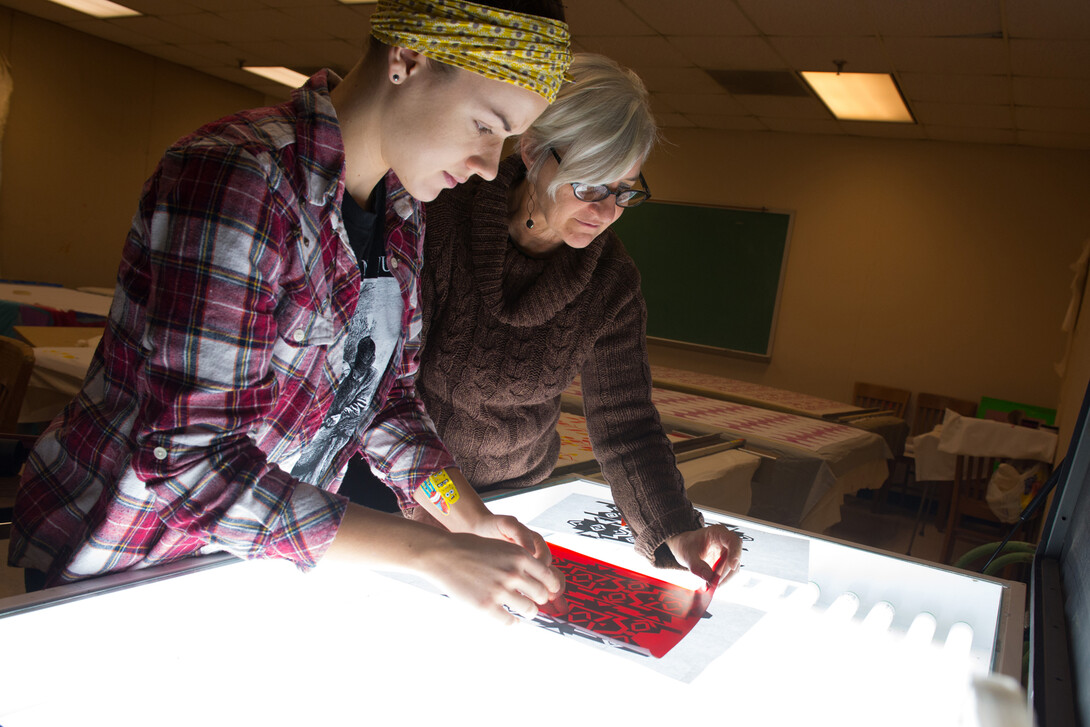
300 329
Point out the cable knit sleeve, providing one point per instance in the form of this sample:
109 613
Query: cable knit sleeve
629 441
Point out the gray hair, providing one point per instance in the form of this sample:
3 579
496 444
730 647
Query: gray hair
601 125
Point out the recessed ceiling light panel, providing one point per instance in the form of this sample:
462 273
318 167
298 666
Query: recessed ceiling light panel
860 96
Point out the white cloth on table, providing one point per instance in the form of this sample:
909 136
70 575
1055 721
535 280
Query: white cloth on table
936 451
721 481
55 297
57 377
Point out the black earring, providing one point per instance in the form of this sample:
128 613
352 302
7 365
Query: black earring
530 213
396 78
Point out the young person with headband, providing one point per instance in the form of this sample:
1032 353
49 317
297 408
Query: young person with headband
265 327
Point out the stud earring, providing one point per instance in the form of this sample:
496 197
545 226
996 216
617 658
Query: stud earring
396 78
530 212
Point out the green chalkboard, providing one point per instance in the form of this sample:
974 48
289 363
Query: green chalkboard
712 276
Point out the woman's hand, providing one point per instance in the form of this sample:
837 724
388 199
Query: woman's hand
713 552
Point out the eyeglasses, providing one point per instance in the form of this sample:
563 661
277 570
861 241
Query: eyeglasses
625 197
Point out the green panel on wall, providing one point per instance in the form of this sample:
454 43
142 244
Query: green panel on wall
712 276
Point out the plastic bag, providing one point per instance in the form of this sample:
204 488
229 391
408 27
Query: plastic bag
1009 490
1005 489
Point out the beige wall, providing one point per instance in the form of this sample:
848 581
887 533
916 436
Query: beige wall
930 266
89 120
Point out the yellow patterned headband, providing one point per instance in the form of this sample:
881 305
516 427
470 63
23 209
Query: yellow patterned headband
526 50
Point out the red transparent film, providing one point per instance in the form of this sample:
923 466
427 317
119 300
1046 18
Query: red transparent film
623 608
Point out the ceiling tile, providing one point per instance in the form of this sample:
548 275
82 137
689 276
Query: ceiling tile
938 18
955 88
804 126
861 55
729 53
706 103
1064 121
952 114
114 32
952 74
681 80
779 107
791 17
268 24
647 51
1057 92
971 135
672 120
162 30
884 130
603 17
219 6
700 17
271 53
1051 58
1057 141
338 21
176 54
161 7
221 53
340 55
985 56
1051 19
728 123
660 106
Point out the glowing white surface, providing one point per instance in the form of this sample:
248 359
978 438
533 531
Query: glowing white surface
260 643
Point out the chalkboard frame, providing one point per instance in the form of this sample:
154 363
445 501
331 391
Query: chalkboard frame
768 308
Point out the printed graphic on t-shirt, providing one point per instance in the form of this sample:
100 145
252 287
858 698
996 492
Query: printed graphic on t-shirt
371 340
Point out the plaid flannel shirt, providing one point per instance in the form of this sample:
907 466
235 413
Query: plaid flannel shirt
222 354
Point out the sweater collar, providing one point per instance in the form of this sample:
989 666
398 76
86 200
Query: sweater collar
533 291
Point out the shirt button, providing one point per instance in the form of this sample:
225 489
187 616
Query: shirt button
160 452
393 263
298 335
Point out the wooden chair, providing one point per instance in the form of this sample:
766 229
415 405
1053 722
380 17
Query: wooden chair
876 396
931 408
16 363
886 398
928 414
968 500
14 450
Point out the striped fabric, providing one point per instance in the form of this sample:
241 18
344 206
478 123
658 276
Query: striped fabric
221 357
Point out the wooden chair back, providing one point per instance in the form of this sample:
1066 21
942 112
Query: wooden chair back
16 364
931 408
969 499
876 396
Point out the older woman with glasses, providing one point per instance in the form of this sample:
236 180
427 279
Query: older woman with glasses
525 287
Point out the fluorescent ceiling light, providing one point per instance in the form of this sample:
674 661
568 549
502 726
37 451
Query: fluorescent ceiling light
279 74
860 96
99 8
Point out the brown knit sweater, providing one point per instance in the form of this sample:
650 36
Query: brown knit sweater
505 334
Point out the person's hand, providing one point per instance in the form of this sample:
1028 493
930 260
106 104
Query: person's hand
506 527
702 550
490 574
